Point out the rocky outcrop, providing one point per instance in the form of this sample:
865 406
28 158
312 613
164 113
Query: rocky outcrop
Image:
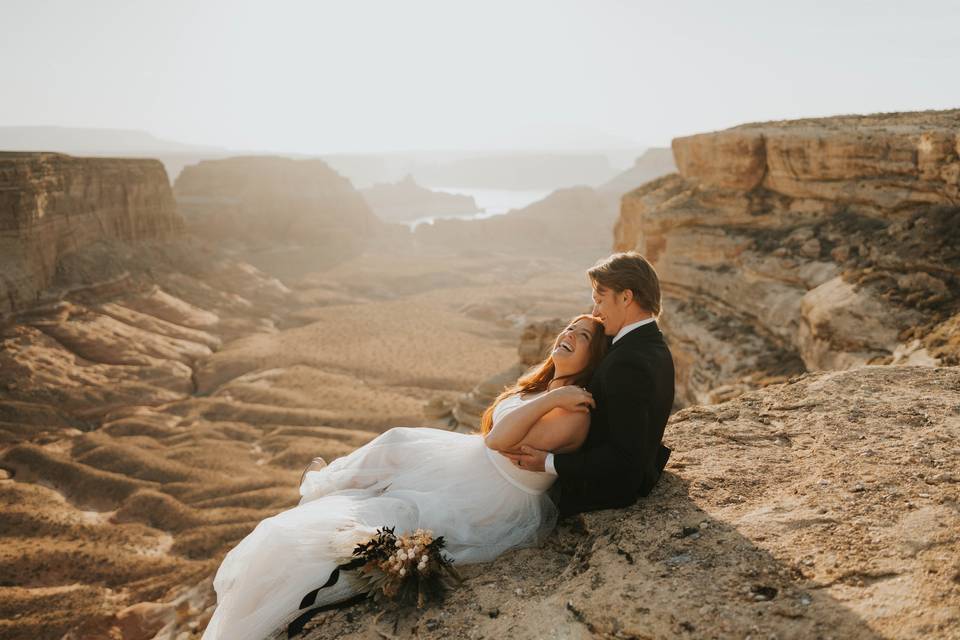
734 542
282 215
406 200
805 245
53 205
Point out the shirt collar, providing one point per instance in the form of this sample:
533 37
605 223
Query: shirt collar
630 327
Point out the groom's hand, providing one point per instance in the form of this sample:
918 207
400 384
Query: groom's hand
529 458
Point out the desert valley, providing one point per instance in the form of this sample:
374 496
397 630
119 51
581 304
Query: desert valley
180 338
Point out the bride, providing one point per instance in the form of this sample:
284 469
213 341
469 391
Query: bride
456 485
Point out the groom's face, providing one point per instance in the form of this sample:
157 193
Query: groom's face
608 306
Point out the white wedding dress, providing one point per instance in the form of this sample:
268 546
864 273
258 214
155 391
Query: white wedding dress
408 478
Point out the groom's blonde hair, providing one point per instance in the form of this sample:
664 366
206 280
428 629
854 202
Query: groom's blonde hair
629 271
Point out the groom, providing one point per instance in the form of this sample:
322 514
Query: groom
622 457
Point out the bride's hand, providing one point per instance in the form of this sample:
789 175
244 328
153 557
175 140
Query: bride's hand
573 398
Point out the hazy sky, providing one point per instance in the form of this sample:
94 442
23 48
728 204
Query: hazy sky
359 75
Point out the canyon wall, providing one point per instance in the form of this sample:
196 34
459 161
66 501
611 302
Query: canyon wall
280 214
805 245
53 205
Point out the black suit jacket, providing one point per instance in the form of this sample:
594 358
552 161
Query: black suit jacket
622 457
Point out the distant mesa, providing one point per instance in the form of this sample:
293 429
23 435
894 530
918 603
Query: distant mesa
405 200
575 222
280 214
815 244
53 205
526 170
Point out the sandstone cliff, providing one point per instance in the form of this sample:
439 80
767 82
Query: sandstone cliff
54 205
805 245
285 216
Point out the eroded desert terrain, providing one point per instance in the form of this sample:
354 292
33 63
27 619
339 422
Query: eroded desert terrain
171 357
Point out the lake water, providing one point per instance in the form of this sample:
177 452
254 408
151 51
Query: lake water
492 202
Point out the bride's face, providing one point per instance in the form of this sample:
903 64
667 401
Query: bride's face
572 351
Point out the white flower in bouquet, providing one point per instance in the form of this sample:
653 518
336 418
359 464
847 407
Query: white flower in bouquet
401 567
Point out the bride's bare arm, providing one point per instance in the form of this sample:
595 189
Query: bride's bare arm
552 408
558 432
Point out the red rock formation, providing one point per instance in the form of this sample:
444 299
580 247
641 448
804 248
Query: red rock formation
810 244
52 205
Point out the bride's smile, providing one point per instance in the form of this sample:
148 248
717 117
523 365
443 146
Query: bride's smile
571 351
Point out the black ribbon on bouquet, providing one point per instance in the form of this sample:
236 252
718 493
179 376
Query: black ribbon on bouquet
308 600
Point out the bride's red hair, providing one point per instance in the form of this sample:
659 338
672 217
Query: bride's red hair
539 376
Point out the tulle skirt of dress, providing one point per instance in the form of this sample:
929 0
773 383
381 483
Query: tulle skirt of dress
407 478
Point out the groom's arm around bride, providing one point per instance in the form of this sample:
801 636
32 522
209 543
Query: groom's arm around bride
622 457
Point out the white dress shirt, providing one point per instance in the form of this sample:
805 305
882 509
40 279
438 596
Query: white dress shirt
548 463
